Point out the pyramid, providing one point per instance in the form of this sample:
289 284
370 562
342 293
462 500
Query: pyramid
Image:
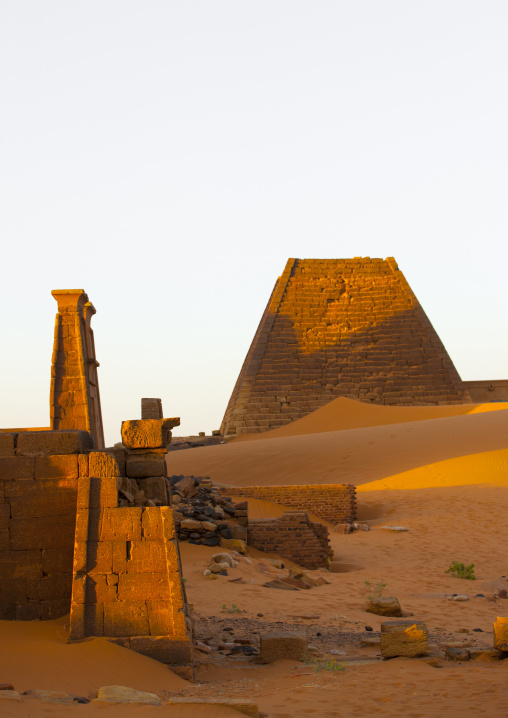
340 327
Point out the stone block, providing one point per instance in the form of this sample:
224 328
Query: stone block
384 606
122 524
165 649
99 557
148 433
126 619
144 465
135 587
98 589
55 587
119 455
45 532
154 488
57 560
94 617
44 443
13 590
500 633
103 493
151 409
283 644
233 544
44 504
241 705
57 467
403 638
146 557
20 564
77 628
16 468
102 465
161 617
122 694
158 523
7 443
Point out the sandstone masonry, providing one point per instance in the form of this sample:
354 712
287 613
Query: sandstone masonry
340 327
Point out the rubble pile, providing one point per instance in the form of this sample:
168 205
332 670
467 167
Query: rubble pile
203 515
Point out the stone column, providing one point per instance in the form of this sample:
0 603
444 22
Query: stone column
74 394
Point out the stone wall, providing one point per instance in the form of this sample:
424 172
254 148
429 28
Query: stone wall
340 327
335 503
293 536
483 392
127 574
38 494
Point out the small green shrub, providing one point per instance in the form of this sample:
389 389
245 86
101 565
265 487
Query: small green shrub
374 590
325 664
460 570
234 608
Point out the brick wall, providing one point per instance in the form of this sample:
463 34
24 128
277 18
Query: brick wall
335 503
340 327
293 536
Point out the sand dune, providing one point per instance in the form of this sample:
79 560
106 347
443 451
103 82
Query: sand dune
343 413
356 456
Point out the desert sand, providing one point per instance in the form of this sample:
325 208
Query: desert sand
440 472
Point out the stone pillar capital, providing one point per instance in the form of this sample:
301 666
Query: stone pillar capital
70 300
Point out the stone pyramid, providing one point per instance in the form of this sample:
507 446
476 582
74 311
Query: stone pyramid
340 327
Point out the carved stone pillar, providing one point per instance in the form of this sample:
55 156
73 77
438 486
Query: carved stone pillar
74 396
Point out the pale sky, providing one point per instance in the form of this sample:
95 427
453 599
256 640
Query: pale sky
168 157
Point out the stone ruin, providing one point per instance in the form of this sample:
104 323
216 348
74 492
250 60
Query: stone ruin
66 541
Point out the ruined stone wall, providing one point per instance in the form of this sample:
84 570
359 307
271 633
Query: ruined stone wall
293 536
335 503
38 494
340 327
127 575
483 392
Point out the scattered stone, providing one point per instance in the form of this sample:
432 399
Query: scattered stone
369 628
335 652
344 528
308 616
276 563
478 630
276 645
403 638
220 568
485 653
202 647
503 593
223 558
6 687
241 705
277 583
460 597
396 529
388 606
457 654
123 694
11 695
234 545
51 696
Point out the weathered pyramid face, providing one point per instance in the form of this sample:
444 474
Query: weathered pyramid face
340 327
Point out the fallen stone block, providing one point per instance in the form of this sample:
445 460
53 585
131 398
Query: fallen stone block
234 545
395 529
501 633
123 694
403 638
223 558
248 708
219 567
282 644
388 606
486 654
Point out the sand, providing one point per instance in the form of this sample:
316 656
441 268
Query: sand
441 472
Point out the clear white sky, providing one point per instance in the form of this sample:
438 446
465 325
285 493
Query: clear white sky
169 156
